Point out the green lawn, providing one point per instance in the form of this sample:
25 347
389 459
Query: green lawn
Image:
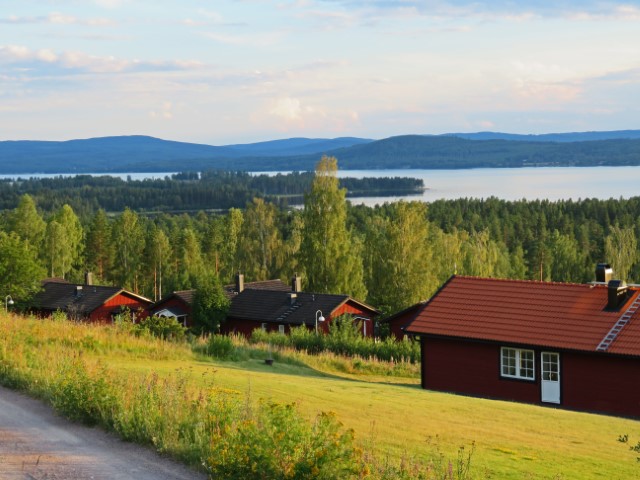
512 441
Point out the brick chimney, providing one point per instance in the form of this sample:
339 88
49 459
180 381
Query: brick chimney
88 278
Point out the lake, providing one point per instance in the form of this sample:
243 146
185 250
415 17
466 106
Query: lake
552 183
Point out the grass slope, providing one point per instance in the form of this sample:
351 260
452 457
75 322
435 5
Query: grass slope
512 441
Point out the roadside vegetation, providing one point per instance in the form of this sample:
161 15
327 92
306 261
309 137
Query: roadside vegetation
221 430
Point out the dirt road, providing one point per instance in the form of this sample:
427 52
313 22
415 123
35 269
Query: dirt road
35 444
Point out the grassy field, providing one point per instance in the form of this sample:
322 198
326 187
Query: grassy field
512 441
395 416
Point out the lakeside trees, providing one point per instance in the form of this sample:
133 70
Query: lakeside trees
390 256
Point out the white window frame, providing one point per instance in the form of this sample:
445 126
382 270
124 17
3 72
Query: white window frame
281 329
264 326
521 359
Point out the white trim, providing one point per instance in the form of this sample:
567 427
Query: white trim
550 377
520 364
281 328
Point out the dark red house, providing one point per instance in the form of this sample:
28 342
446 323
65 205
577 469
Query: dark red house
398 321
175 305
279 311
575 346
178 304
93 303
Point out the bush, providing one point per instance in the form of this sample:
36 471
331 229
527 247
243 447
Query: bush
163 327
220 346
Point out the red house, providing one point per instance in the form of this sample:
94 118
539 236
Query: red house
280 310
175 305
178 304
569 345
93 303
398 321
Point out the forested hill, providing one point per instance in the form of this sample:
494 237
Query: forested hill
147 154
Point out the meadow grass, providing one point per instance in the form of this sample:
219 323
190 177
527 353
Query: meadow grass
393 421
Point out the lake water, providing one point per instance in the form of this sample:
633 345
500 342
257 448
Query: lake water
552 183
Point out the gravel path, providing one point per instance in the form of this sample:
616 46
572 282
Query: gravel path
35 444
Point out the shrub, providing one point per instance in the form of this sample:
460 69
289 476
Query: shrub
163 327
220 346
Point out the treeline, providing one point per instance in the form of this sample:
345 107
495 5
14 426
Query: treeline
390 256
188 191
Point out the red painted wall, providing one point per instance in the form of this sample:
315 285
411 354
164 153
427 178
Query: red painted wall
103 313
472 369
601 383
348 308
588 382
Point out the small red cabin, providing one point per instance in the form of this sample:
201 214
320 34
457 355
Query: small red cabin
575 346
279 311
93 303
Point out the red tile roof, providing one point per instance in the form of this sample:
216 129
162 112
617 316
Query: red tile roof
545 314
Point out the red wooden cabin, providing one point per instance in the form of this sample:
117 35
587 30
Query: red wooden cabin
280 310
93 303
575 346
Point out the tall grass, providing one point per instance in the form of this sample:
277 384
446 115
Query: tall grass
220 431
237 348
343 339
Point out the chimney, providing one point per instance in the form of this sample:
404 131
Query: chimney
604 272
78 290
296 283
617 293
88 278
292 297
239 282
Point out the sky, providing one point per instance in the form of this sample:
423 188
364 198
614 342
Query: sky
241 71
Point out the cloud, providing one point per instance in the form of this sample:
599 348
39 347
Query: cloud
56 18
337 14
288 114
48 62
111 4
257 40
165 112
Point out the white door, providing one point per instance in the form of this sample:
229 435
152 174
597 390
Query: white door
550 377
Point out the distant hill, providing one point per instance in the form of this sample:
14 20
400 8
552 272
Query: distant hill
148 154
138 153
295 146
551 137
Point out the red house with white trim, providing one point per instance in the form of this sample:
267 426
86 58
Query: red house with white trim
93 303
575 346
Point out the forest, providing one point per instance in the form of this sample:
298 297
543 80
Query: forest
390 256
186 191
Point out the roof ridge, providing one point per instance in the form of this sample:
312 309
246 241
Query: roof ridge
531 281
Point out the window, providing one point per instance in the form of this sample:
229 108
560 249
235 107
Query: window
517 363
264 327
281 328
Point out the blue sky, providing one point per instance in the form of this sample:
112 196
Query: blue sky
239 71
